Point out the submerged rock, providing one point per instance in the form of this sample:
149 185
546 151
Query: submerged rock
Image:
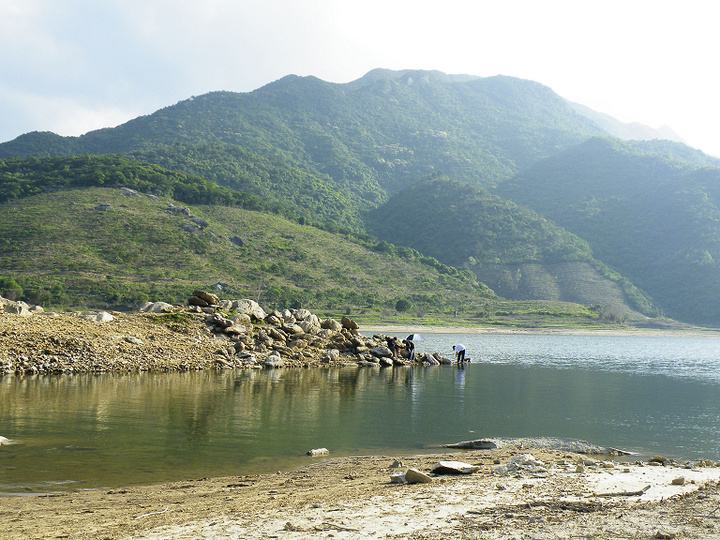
476 444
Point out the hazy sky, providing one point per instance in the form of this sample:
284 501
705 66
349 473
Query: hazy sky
70 66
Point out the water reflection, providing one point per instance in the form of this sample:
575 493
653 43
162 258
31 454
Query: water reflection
111 430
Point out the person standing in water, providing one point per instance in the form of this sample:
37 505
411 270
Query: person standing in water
459 349
410 346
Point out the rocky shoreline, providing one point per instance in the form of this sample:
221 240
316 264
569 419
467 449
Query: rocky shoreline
208 333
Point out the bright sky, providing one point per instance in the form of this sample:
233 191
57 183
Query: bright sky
70 66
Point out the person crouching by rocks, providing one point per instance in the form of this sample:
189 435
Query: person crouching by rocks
392 344
459 349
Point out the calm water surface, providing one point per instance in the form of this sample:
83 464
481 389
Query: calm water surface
650 394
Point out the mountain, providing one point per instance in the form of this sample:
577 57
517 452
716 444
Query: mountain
653 219
629 131
344 157
374 135
517 252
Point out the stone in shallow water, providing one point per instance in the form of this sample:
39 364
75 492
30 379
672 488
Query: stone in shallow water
477 444
318 452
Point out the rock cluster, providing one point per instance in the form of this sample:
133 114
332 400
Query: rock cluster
208 332
21 309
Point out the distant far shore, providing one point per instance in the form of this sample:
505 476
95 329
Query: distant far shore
620 331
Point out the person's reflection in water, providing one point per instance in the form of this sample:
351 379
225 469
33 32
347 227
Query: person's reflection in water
460 376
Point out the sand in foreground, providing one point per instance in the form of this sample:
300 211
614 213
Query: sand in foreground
352 498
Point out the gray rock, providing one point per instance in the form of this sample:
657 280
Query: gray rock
249 307
243 318
237 241
157 307
103 207
331 324
386 362
301 314
200 222
236 329
127 191
199 302
381 352
398 478
189 227
309 325
134 340
274 361
477 444
414 476
333 355
349 324
454 467
679 481
98 316
17 308
318 452
295 329
210 298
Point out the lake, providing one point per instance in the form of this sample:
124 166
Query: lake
648 394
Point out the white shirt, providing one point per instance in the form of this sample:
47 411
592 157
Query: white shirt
458 347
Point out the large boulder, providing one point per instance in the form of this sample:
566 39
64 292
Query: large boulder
98 316
236 329
331 324
243 318
454 467
295 329
310 325
249 307
349 324
381 352
16 308
414 476
210 298
301 314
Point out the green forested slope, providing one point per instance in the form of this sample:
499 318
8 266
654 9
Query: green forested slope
517 252
656 222
63 248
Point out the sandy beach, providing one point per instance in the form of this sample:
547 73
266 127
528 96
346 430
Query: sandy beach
550 495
